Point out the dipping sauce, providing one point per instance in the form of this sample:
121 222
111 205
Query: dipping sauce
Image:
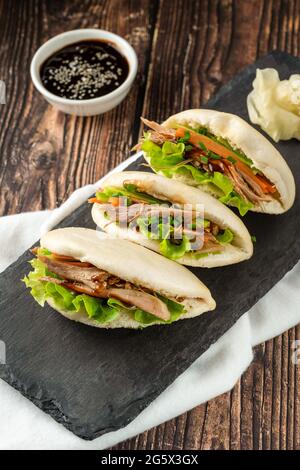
84 70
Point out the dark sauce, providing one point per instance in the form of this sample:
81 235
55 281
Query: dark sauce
84 70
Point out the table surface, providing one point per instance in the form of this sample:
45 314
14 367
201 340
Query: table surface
186 49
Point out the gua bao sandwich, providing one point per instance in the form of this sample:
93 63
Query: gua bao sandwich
224 156
112 283
178 221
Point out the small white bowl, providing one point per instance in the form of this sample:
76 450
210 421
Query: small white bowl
84 107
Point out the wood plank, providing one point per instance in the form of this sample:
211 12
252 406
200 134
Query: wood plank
215 40
54 152
296 424
186 51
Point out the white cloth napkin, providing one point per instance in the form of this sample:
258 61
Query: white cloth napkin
23 426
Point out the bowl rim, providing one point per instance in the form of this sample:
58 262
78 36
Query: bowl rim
124 47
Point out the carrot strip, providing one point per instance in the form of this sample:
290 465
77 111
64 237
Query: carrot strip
62 257
114 201
92 200
270 188
196 139
70 261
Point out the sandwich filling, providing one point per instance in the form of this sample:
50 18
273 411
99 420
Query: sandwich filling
179 229
82 287
209 160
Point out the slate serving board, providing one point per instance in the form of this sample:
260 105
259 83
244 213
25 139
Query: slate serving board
95 381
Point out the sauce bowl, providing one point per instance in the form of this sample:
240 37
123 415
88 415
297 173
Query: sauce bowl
92 106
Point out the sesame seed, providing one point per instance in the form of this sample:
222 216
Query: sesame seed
85 73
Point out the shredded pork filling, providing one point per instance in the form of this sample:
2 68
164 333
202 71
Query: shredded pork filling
202 241
244 184
86 278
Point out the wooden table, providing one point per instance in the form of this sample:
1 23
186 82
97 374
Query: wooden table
187 50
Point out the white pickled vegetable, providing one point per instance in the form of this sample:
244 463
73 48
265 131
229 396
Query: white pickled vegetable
275 105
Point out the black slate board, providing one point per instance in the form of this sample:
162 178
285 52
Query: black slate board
95 381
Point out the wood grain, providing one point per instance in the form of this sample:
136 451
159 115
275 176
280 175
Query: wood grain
187 49
56 152
215 40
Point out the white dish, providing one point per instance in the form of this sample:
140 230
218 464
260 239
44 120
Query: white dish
92 106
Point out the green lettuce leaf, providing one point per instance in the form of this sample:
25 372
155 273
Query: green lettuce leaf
225 237
68 300
96 308
190 171
101 310
32 281
169 160
110 191
198 255
154 229
128 191
151 228
174 308
222 182
166 157
239 153
62 297
161 232
173 152
175 251
132 190
233 199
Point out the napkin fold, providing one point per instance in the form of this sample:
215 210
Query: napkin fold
24 426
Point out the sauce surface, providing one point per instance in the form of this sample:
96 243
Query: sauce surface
84 70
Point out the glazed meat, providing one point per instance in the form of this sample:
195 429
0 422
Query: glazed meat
98 283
